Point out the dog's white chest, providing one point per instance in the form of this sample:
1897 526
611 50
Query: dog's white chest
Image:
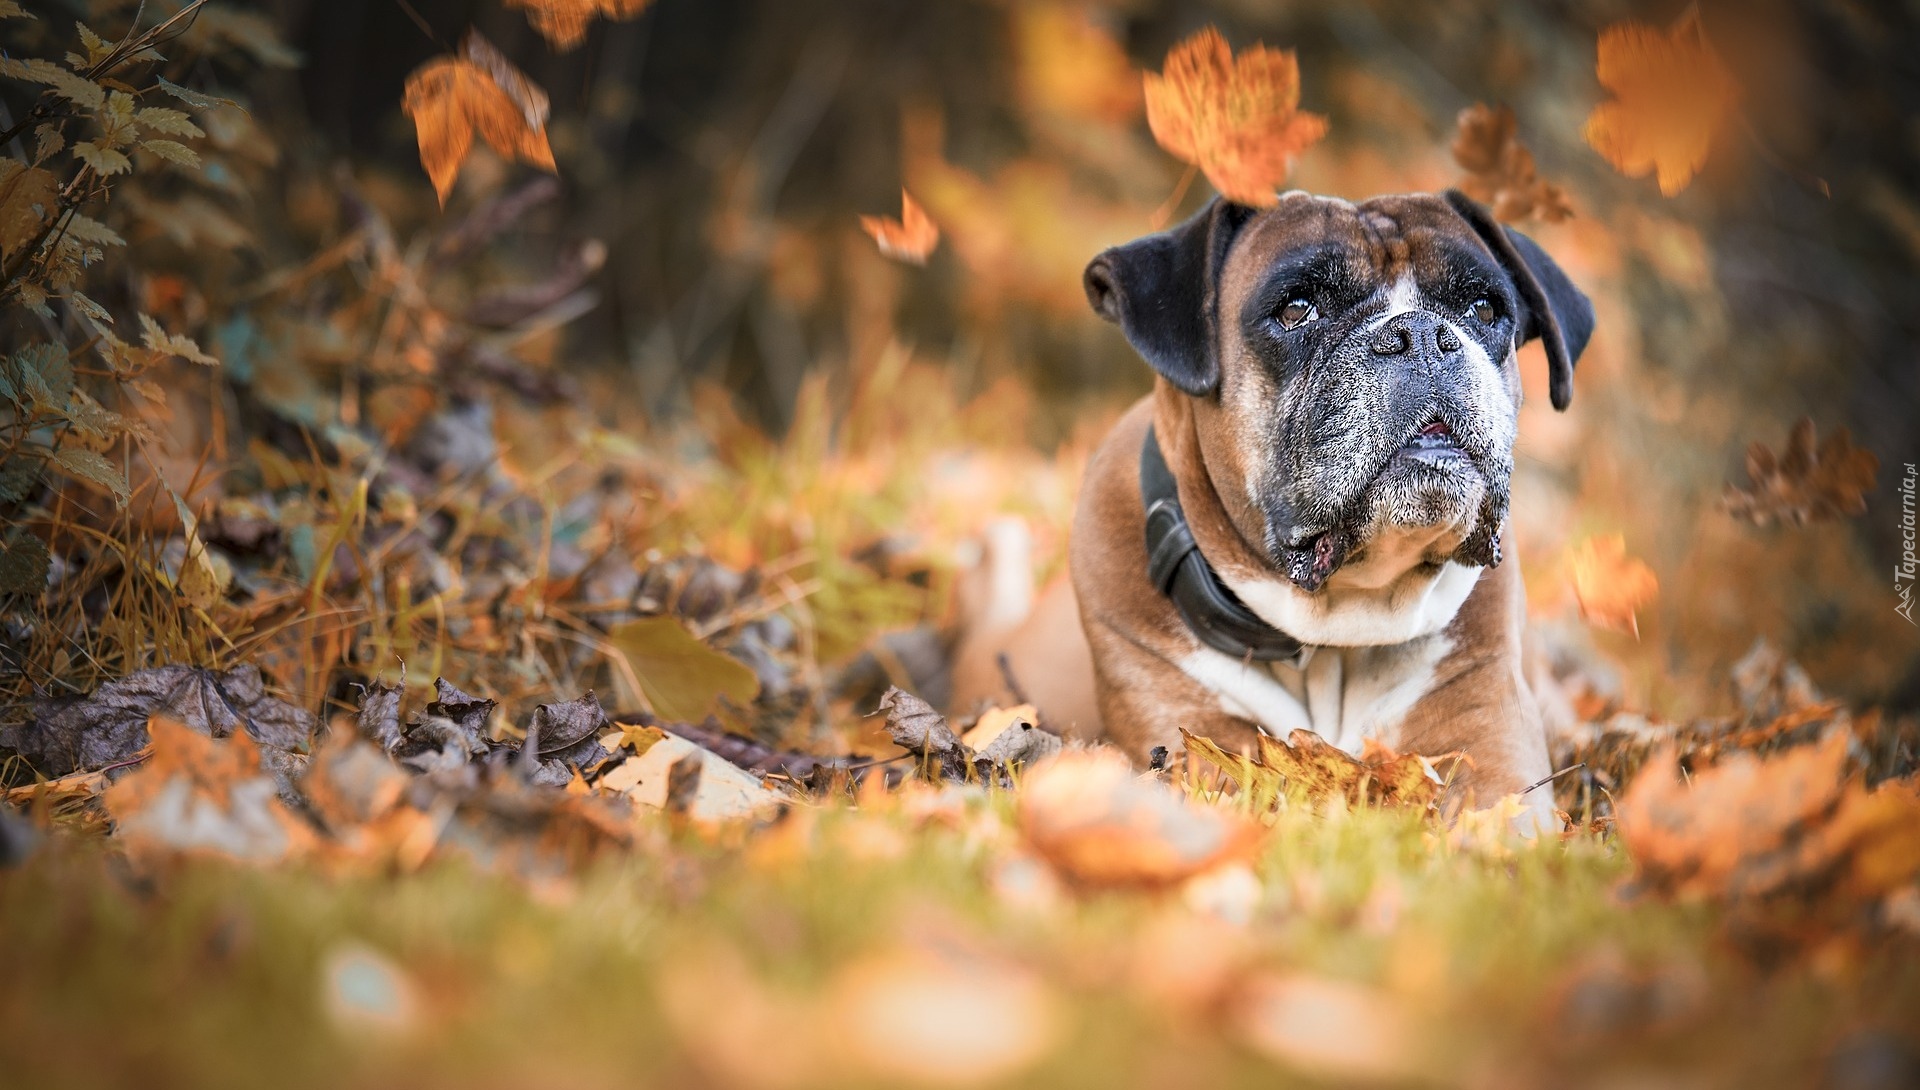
1344 694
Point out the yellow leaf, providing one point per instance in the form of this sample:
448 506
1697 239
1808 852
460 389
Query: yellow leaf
452 98
1237 119
680 677
1671 94
1307 766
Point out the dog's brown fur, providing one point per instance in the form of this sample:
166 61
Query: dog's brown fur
1476 700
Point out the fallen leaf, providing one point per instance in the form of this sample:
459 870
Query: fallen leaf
911 238
563 23
351 782
450 732
680 677
1306 766
1098 825
1237 119
1500 171
110 726
920 1017
915 727
379 718
1805 483
452 98
198 794
1737 829
564 738
721 791
1330 1029
1610 586
1671 95
994 722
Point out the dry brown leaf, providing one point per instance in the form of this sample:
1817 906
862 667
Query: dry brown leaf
1098 825
1743 827
1307 765
1804 483
563 23
1237 119
1671 95
28 197
452 98
911 238
1610 585
1500 170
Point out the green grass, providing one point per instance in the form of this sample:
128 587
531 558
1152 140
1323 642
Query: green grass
1526 965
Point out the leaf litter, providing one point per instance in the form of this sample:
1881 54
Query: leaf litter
806 901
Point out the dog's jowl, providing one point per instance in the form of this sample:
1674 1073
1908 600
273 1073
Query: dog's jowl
1305 524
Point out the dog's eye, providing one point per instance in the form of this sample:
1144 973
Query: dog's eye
1298 312
1483 310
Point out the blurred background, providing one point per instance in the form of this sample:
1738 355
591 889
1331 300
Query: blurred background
703 247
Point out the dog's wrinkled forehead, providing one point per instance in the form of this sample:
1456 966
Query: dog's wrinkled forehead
1353 249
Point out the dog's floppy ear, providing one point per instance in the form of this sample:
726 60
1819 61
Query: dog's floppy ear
1557 312
1162 292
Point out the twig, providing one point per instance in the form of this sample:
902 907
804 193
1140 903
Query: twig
1542 782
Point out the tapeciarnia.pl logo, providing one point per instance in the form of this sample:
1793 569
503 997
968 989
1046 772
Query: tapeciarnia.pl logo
1903 573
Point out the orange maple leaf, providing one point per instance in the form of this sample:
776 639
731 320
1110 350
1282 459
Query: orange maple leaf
1609 584
911 238
1237 119
1671 93
563 23
451 98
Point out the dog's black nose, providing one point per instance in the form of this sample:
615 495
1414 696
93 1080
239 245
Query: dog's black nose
1420 332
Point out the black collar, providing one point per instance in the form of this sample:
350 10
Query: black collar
1179 571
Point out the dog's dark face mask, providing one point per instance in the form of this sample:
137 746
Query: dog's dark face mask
1353 370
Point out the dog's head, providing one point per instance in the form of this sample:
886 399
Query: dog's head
1352 368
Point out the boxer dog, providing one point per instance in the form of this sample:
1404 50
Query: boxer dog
1303 525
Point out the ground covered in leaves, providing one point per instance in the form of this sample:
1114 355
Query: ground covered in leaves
401 686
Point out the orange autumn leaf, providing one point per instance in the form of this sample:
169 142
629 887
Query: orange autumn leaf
1237 119
201 795
1610 585
1749 826
911 238
1099 826
1671 94
563 23
452 98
